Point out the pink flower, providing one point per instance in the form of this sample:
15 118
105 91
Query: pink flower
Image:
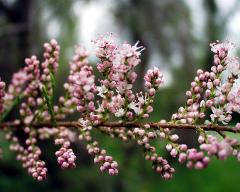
221 48
2 94
234 98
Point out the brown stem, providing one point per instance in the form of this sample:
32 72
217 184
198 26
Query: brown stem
155 125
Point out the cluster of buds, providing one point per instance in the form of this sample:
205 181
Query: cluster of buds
51 55
68 103
106 162
28 155
15 88
213 97
222 149
159 164
65 155
210 90
84 89
2 94
117 63
31 91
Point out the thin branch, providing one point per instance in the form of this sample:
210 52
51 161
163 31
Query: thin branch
155 125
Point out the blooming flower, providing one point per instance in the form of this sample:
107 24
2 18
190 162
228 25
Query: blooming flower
234 99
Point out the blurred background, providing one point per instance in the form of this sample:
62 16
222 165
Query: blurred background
176 34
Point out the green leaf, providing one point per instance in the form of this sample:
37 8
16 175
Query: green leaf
49 105
53 83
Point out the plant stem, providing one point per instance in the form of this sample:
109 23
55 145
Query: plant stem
130 125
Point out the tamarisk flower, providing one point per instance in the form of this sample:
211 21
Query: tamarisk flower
196 159
117 63
65 155
195 105
127 58
2 94
221 49
221 149
216 91
159 164
35 166
153 79
106 162
234 98
81 81
15 88
28 156
84 88
49 68
223 91
51 55
208 90
32 89
47 133
69 102
140 104
107 50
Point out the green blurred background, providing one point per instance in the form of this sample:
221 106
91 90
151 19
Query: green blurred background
176 34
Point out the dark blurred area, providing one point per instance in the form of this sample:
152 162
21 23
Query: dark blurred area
176 35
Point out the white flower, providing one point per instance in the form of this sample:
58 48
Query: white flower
135 107
233 67
101 90
216 46
86 88
220 115
234 98
85 124
28 119
119 113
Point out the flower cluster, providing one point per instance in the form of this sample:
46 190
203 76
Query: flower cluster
106 162
213 89
213 98
222 149
117 63
2 94
65 155
29 155
68 102
15 88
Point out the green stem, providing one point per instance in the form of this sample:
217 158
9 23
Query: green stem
53 83
49 105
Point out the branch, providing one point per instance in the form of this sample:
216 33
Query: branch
155 125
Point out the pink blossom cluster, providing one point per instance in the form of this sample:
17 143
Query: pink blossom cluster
68 102
32 90
234 98
210 90
117 63
49 67
65 155
15 88
159 164
29 156
84 88
222 149
214 96
2 94
51 55
107 164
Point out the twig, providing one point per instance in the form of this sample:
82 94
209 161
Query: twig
130 125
